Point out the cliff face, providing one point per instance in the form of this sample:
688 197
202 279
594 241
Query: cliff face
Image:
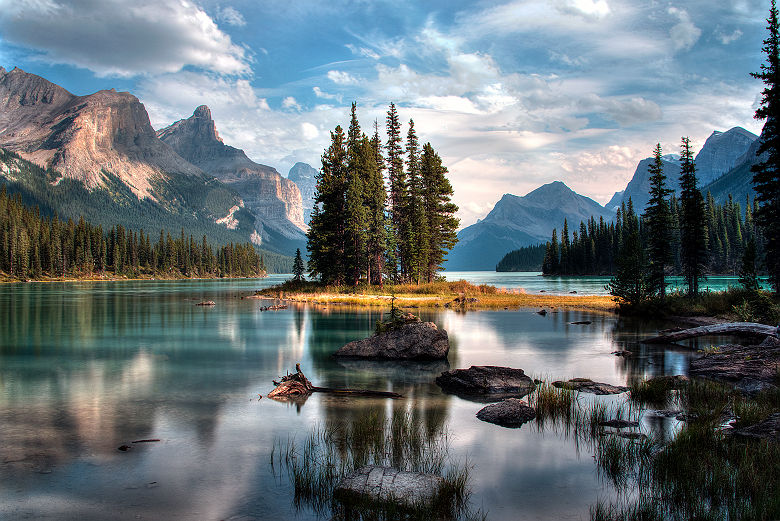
303 175
82 136
273 199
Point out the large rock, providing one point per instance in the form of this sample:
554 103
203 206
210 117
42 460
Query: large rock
389 484
751 368
415 341
509 413
584 385
768 429
486 382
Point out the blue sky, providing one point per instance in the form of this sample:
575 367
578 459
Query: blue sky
513 94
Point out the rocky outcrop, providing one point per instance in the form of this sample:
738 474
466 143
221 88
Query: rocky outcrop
511 412
273 199
768 429
414 341
751 368
584 385
305 177
721 152
486 382
82 137
387 484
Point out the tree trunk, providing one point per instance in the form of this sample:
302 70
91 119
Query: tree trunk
729 328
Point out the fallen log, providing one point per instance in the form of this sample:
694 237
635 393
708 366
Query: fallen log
296 384
729 328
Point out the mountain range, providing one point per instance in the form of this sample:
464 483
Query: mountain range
723 166
101 149
98 156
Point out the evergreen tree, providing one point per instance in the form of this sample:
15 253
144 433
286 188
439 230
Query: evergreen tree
629 285
693 227
439 210
326 234
658 222
396 179
376 200
298 266
748 277
414 229
766 173
355 209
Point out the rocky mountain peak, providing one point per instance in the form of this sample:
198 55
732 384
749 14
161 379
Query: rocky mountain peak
305 176
84 136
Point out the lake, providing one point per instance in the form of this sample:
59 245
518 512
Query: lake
88 367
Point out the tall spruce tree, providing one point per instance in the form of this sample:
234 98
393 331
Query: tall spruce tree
297 266
326 236
629 285
355 209
658 226
414 229
375 199
693 225
397 182
766 173
439 210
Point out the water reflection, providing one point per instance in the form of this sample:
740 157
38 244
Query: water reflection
85 368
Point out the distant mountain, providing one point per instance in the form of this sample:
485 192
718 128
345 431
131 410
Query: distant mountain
638 189
521 221
721 152
303 175
737 182
274 200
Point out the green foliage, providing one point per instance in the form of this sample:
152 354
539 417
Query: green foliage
351 237
298 269
35 247
630 285
657 220
766 172
693 227
530 258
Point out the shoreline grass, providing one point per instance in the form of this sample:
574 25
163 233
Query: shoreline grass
459 295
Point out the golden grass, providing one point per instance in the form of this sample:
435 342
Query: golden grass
433 295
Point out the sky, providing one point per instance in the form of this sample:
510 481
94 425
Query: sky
512 94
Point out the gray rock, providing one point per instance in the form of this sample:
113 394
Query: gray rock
389 484
671 381
586 385
619 424
486 382
750 368
509 413
768 429
415 341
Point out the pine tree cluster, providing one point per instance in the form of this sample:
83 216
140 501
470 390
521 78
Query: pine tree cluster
35 247
361 231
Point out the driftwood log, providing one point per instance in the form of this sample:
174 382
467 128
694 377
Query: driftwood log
296 384
729 328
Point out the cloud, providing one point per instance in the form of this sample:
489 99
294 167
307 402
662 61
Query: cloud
230 16
324 95
309 131
726 39
684 34
342 78
112 37
363 51
590 8
290 103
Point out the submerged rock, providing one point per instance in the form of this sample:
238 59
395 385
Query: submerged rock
486 382
389 484
619 424
509 413
414 341
671 381
769 429
586 385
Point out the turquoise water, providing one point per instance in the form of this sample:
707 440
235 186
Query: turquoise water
534 282
87 367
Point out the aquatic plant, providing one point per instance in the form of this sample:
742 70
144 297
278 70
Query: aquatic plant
317 464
